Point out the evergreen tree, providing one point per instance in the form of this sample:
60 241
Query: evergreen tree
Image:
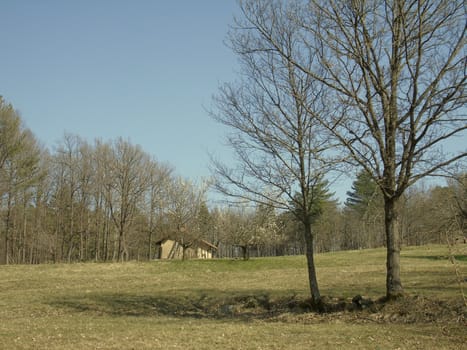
318 195
365 195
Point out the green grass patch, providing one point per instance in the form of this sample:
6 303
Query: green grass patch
232 304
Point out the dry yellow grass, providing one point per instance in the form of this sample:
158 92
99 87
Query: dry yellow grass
218 304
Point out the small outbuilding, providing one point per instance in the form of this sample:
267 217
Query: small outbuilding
167 248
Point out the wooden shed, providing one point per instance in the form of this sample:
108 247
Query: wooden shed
171 249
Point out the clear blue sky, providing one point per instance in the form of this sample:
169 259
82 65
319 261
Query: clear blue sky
143 70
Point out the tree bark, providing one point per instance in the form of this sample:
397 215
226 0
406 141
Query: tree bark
313 281
394 288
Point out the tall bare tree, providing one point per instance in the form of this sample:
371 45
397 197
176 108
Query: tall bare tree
41 243
271 111
394 72
68 162
183 207
102 197
128 178
160 179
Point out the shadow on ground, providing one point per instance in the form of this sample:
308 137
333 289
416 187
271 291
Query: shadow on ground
437 257
259 306
208 304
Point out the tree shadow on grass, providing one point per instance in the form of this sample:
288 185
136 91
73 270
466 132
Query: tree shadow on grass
437 257
208 304
257 305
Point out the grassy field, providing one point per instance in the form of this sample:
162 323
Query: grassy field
233 304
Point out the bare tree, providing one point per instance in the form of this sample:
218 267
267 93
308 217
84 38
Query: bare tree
183 206
395 77
41 242
68 163
237 226
128 176
282 150
160 178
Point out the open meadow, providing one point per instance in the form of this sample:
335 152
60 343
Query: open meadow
234 304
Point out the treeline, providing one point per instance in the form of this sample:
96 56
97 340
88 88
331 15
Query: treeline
435 215
111 201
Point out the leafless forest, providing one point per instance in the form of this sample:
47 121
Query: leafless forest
111 201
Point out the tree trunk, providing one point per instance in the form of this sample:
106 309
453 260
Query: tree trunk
72 227
245 252
6 241
184 248
313 281
393 281
82 255
4 252
120 245
24 234
149 244
97 239
105 237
